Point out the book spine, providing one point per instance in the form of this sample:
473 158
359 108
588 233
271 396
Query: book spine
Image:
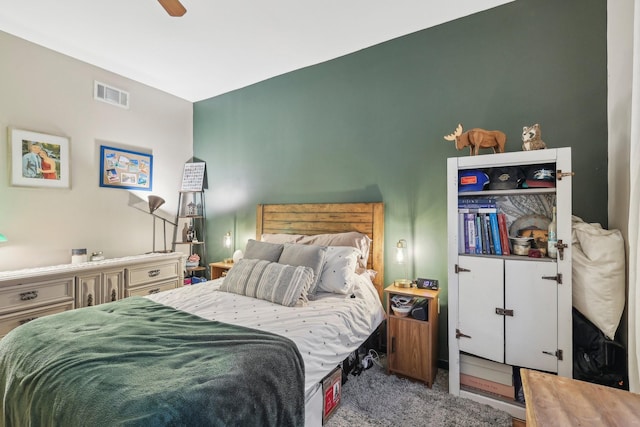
492 248
470 226
478 235
485 234
461 234
495 232
477 210
504 234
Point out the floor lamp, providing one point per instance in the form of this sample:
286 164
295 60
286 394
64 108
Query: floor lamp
154 203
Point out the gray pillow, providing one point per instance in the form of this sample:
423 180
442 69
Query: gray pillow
263 250
270 281
306 255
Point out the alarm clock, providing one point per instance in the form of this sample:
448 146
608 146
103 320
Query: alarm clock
427 284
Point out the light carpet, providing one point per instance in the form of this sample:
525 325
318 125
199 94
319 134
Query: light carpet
374 398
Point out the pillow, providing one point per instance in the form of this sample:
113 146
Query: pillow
306 255
351 238
263 250
339 270
269 281
281 238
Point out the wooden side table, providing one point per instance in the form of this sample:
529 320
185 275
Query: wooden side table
412 344
219 269
553 400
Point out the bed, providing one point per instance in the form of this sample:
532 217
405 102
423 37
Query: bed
199 355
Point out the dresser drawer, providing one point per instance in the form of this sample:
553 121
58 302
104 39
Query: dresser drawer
149 273
11 321
154 288
34 294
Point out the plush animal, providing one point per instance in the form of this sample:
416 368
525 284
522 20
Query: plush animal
476 139
531 138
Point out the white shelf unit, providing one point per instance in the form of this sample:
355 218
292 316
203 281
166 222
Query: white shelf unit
537 333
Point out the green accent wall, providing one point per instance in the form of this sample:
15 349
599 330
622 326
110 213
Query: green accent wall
369 126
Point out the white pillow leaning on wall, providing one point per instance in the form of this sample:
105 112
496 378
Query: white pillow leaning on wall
598 268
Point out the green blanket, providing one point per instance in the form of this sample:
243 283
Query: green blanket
135 362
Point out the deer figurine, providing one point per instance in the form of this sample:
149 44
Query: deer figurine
476 139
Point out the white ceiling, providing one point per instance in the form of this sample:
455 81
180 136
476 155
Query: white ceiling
219 45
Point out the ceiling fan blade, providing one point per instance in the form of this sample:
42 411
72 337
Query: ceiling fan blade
173 7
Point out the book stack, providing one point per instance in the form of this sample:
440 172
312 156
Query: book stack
486 375
484 229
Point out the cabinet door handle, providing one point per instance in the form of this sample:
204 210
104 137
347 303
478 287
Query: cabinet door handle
26 296
23 321
154 291
153 273
113 295
461 335
460 269
561 247
89 300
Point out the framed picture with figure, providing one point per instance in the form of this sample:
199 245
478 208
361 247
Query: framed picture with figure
38 159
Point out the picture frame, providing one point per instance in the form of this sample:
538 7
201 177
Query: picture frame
39 159
126 169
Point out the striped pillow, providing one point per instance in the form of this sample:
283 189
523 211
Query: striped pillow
270 281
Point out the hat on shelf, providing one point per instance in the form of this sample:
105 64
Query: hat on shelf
472 180
505 178
540 176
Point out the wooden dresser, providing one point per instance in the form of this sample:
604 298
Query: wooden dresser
35 292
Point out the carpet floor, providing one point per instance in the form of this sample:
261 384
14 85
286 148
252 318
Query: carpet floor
374 398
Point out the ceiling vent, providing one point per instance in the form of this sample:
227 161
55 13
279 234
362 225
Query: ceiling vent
110 94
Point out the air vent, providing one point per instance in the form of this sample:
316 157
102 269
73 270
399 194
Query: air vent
110 95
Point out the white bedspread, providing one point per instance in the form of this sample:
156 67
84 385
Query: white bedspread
326 330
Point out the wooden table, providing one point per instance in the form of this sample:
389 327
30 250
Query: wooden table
219 269
558 401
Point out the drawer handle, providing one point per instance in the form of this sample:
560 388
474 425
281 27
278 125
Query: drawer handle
154 291
89 300
23 321
113 295
153 273
26 296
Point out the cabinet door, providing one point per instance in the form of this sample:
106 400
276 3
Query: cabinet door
409 348
531 334
113 285
88 289
480 292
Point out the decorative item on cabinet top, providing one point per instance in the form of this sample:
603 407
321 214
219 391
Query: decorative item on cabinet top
477 138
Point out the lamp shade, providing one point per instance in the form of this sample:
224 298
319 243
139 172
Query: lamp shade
227 240
154 203
401 249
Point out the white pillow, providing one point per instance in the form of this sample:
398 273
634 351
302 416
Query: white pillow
598 267
339 270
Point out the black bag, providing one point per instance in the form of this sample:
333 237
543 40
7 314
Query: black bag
596 358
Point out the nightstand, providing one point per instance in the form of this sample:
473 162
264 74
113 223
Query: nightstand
412 344
219 269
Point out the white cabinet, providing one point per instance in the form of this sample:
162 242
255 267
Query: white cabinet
100 286
510 309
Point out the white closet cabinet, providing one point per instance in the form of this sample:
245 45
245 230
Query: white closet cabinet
510 309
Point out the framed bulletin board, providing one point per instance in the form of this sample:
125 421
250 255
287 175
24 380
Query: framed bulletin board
120 168
193 176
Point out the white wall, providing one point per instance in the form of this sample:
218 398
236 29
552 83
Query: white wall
44 91
620 68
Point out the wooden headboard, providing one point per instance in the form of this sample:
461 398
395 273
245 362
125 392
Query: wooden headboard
323 218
